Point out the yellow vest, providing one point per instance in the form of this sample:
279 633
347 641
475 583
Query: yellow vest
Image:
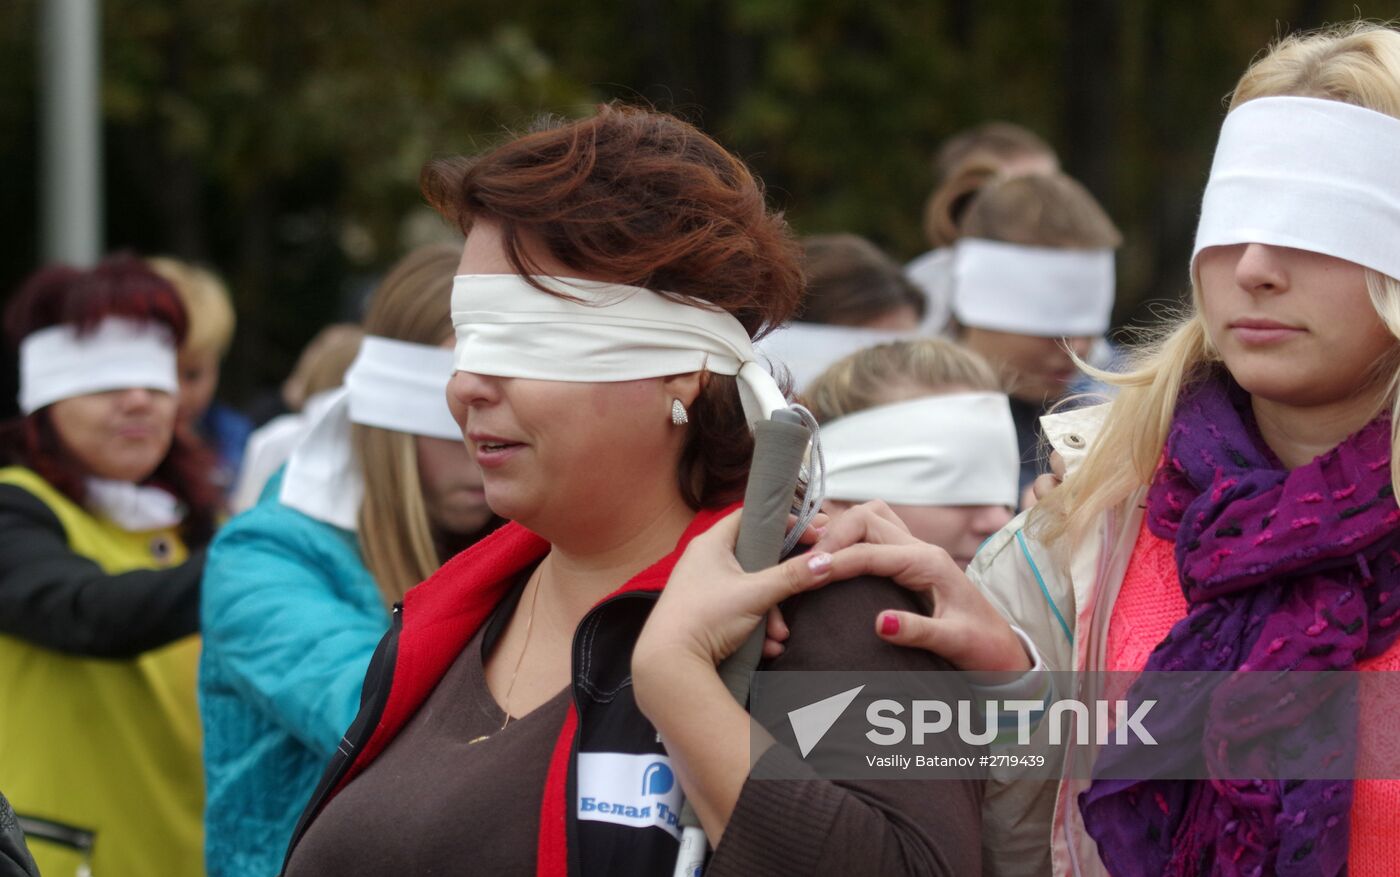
110 747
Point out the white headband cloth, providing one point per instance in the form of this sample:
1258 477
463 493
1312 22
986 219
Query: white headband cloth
933 274
808 349
605 332
1307 173
954 449
1047 291
393 385
57 363
402 386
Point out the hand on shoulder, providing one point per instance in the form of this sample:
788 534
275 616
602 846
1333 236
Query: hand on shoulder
963 626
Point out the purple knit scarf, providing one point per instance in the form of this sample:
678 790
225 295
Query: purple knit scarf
1281 571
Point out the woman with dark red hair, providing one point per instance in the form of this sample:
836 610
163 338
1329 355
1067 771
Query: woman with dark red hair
104 511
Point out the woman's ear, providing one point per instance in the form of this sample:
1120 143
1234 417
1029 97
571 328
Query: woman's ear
684 387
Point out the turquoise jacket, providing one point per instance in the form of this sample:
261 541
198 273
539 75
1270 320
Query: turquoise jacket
290 617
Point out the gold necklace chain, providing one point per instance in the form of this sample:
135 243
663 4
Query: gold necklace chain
529 625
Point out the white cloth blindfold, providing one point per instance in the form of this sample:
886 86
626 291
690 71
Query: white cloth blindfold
808 349
1046 291
57 363
394 385
508 328
402 386
933 273
956 449
1307 173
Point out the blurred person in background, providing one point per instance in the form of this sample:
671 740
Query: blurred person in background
106 501
851 282
320 369
923 426
212 323
321 365
1008 147
856 297
377 494
1014 149
1033 282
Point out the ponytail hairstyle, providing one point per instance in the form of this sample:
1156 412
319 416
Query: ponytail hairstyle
396 535
1357 63
1034 210
1000 143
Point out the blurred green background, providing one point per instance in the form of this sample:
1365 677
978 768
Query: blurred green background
280 142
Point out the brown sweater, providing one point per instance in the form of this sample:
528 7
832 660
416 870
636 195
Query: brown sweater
838 828
436 802
454 793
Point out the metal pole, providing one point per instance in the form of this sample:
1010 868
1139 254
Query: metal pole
71 138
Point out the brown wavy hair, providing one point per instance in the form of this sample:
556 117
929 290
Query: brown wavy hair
642 198
119 286
851 282
996 140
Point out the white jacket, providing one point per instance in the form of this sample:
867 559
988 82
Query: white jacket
1034 827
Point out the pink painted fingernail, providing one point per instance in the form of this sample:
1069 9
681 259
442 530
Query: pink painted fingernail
889 625
819 563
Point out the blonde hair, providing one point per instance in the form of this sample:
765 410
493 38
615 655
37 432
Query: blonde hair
866 378
206 301
396 535
322 363
1036 210
1357 63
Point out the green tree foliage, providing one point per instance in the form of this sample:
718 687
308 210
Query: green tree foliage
282 141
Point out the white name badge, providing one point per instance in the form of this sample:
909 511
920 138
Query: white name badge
639 791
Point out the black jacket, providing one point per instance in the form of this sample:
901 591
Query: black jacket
15 860
58 599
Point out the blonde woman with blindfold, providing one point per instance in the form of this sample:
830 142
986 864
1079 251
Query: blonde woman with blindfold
297 592
1232 510
923 426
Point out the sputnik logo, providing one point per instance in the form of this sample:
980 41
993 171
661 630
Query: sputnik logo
810 723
